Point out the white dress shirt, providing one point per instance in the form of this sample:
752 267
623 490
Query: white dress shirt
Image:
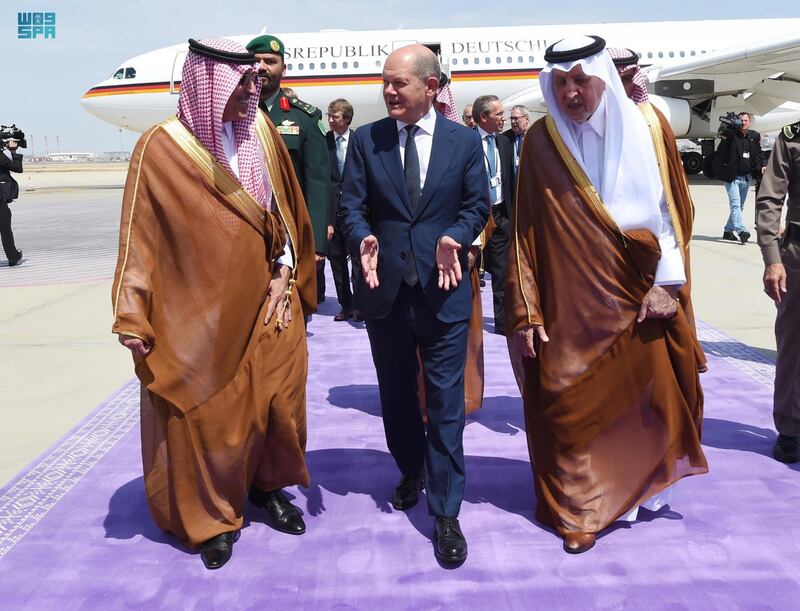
485 144
232 153
590 136
423 139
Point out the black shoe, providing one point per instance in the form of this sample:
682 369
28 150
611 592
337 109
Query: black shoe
744 236
218 550
451 546
787 449
358 316
730 236
406 494
283 516
15 260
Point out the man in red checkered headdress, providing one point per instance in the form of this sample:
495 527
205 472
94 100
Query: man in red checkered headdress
215 263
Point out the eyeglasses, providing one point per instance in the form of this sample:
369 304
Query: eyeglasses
247 78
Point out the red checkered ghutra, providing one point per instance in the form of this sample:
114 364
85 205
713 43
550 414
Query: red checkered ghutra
206 87
639 85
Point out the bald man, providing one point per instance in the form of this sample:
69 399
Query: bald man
415 196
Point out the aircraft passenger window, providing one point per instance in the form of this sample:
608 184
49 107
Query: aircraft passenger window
300 66
288 66
477 60
465 61
487 60
120 73
322 66
355 64
683 54
649 54
691 53
377 63
333 65
499 60
455 61
520 60
509 59
672 54
311 66
661 54
130 72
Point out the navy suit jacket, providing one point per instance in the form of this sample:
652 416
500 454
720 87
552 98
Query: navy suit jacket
454 202
336 179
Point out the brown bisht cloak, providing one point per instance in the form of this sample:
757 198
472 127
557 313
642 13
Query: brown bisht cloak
223 395
613 407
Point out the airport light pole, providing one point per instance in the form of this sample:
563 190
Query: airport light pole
121 146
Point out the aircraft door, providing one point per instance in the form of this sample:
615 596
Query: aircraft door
177 71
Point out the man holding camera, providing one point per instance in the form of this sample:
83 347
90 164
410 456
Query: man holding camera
782 282
10 161
737 160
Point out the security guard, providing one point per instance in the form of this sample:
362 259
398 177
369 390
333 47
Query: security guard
782 282
303 132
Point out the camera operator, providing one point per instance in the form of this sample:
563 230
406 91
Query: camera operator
10 161
737 161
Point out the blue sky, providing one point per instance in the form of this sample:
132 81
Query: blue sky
43 80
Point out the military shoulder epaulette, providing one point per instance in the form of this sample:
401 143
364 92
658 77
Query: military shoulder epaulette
790 132
306 108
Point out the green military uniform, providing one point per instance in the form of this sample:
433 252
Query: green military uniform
781 183
300 128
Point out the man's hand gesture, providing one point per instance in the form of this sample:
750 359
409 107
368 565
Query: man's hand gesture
369 260
775 281
659 302
276 295
448 263
139 348
524 340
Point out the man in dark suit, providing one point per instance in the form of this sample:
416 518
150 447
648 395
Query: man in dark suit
520 121
10 161
340 115
498 156
414 198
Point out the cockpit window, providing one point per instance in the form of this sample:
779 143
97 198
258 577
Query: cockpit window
130 72
120 73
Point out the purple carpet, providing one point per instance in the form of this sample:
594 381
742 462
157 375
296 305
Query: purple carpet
75 532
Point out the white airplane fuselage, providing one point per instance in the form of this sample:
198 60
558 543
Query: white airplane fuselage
504 61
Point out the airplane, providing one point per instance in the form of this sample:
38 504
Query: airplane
697 71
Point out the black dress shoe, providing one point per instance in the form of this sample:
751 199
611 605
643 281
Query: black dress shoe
218 550
406 494
744 236
787 449
283 516
343 314
15 260
451 546
358 316
730 236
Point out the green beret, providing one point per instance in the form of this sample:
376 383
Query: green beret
266 44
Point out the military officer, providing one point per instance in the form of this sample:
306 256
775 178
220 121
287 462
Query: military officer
303 132
782 282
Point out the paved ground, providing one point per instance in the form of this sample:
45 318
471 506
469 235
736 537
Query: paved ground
58 359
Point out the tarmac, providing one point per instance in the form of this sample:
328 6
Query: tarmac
59 360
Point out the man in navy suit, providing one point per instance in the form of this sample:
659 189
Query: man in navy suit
415 197
340 115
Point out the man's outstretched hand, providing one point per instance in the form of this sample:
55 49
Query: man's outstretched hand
448 263
369 260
